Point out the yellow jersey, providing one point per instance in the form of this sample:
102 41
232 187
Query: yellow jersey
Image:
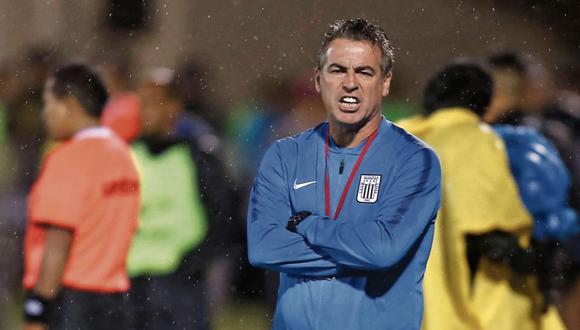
479 196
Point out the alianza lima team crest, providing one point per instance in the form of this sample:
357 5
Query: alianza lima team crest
368 188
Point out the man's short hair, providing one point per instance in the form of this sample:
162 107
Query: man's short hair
465 83
82 83
359 29
508 61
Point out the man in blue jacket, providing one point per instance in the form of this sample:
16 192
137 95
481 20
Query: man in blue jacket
345 211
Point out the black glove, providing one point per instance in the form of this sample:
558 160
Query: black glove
501 247
296 219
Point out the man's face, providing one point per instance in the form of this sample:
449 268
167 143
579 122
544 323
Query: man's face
55 113
508 91
157 112
540 90
351 83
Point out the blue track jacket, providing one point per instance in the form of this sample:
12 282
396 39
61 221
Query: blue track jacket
365 269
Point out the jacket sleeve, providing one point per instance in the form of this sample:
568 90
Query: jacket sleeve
270 244
406 211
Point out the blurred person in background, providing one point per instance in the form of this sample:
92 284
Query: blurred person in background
478 274
510 84
185 216
201 123
121 113
82 212
557 116
526 94
359 266
194 122
537 103
543 181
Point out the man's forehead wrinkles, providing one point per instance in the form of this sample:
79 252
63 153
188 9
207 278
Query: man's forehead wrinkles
352 57
347 53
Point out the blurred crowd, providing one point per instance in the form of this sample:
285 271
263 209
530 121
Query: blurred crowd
154 109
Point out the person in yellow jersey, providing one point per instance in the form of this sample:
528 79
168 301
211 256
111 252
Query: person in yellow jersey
479 273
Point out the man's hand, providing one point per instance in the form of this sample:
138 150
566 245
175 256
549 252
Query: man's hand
34 326
296 219
38 300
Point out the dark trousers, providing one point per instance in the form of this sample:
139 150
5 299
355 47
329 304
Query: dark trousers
169 302
80 310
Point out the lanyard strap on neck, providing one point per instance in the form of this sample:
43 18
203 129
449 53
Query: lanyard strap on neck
350 178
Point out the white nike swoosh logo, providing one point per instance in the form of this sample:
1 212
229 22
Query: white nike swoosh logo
302 185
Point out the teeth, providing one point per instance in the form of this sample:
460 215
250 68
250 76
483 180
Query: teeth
349 100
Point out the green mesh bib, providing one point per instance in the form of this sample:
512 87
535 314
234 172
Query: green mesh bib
172 220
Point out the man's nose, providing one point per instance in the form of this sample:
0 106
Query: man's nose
350 82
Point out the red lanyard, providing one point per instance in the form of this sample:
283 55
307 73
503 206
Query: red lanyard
350 178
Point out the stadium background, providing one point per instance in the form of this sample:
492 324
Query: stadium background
242 50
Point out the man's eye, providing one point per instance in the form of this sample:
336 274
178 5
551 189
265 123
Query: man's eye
367 73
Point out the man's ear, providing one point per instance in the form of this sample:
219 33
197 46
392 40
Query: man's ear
387 84
317 79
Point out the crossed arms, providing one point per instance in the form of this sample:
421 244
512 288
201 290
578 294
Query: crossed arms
323 247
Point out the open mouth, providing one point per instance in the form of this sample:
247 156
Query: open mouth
349 103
